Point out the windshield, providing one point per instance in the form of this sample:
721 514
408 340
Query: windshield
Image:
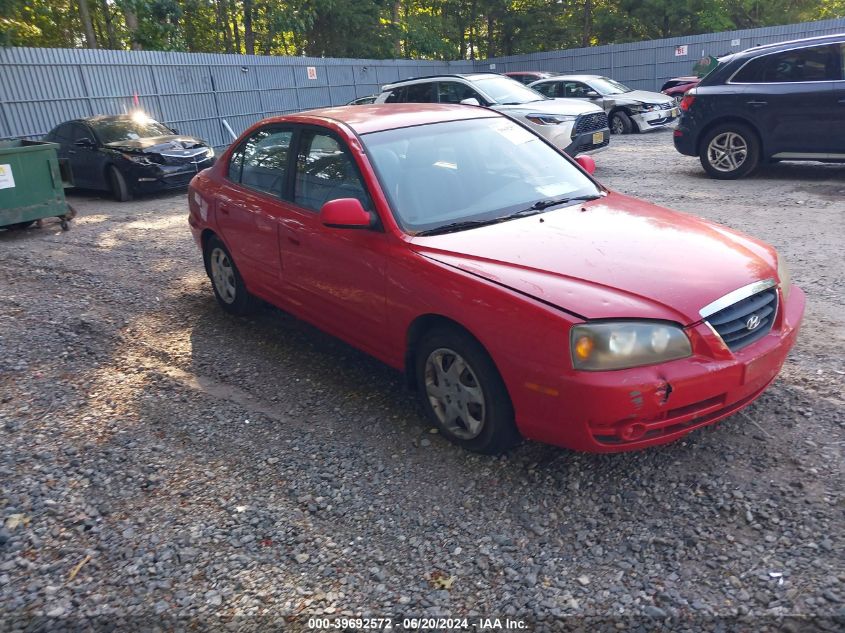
607 86
112 131
470 170
507 91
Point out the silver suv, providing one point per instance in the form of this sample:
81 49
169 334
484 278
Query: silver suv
573 126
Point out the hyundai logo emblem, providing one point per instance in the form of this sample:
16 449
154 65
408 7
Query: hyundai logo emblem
752 322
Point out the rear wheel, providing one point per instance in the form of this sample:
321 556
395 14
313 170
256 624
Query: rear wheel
229 288
463 393
620 123
730 151
119 187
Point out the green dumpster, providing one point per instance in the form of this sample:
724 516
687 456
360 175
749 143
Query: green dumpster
31 184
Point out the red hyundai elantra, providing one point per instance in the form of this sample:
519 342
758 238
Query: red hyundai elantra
519 295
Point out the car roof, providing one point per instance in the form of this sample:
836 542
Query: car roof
773 48
575 77
529 72
467 76
364 119
106 117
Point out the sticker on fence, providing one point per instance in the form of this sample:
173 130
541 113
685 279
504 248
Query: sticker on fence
681 51
735 42
7 178
312 72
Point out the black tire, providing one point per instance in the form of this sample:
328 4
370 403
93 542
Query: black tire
621 123
117 182
726 165
497 432
232 294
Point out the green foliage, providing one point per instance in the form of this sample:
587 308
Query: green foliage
435 29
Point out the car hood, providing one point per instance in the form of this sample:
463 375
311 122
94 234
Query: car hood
176 145
641 96
551 106
617 257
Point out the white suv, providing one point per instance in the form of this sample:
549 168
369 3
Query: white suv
573 126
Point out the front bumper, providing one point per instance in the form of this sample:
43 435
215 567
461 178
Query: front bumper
656 119
152 178
589 142
614 411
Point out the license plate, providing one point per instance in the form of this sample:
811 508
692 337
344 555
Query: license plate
676 112
598 137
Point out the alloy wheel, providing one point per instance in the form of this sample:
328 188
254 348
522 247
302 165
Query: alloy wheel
617 127
223 275
727 151
454 393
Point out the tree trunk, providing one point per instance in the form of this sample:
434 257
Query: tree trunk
235 27
249 36
397 32
491 40
87 24
108 18
223 16
587 33
132 26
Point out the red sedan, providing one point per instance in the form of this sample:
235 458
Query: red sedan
520 296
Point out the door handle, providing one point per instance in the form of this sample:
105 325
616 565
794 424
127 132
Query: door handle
71 151
842 102
224 210
758 104
293 240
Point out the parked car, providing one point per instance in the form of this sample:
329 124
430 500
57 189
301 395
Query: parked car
669 84
528 76
576 128
676 88
778 102
520 296
129 154
363 100
628 110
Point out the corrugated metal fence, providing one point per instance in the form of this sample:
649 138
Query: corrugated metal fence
646 65
193 92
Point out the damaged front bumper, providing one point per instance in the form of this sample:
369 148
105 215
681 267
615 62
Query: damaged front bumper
645 406
656 119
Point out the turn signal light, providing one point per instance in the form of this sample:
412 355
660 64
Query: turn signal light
686 102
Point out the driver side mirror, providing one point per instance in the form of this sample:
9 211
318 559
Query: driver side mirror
592 94
471 101
84 142
587 164
346 213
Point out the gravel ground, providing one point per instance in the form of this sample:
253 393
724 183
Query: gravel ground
164 463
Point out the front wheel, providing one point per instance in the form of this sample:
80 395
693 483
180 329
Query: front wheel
463 393
729 151
229 288
620 123
119 187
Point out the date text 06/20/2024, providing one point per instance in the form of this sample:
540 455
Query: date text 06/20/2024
416 624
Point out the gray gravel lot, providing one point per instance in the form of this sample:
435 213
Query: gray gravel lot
164 462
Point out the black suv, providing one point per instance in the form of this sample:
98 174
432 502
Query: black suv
777 102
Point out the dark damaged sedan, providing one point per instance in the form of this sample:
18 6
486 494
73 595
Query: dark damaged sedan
129 154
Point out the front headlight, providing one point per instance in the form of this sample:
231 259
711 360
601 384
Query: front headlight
551 119
209 153
784 277
138 158
623 344
648 107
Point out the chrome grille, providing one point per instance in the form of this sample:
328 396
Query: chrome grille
590 123
747 320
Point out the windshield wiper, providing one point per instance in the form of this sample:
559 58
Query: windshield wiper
535 208
458 226
553 202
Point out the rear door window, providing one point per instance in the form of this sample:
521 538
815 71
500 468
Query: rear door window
397 95
549 89
261 162
421 93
